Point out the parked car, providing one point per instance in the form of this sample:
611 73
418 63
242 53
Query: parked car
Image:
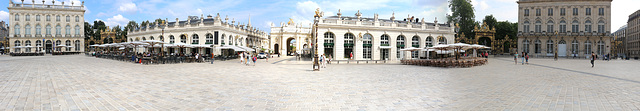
262 55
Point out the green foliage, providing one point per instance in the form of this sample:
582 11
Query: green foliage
490 21
504 28
99 25
88 31
463 15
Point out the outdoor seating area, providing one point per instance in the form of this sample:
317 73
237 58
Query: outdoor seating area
447 62
457 61
65 53
26 54
153 52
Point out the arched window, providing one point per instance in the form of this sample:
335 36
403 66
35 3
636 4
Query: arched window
209 39
574 47
27 30
16 30
549 46
58 42
230 39
563 26
144 38
442 40
27 43
16 44
601 28
525 46
58 30
222 39
38 30
77 30
550 26
399 45
538 26
58 18
48 18
538 46
68 19
68 43
328 39
415 42
17 17
183 38
67 30
172 39
574 26
429 42
348 45
77 46
526 27
77 18
587 26
384 40
151 38
27 17
48 30
161 38
366 45
601 48
587 47
37 17
195 39
38 44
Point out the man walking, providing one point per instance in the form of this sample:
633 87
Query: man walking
593 58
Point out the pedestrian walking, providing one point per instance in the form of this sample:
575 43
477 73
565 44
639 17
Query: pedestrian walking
593 58
351 55
320 60
324 64
515 58
522 58
241 58
526 57
254 60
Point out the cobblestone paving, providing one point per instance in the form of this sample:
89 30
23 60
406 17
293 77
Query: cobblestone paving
85 83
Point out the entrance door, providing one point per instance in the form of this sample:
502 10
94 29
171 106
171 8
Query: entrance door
385 54
562 50
276 49
48 46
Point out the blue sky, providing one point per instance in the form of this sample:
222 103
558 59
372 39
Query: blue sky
265 12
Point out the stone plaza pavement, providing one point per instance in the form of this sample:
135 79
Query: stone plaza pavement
78 82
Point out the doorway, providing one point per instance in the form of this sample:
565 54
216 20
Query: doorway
291 46
48 46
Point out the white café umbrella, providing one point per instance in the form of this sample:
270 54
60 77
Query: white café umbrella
458 47
476 47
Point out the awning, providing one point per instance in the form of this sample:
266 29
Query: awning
237 49
247 48
385 47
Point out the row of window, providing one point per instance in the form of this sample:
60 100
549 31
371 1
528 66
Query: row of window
384 41
48 18
27 30
575 49
209 39
563 12
38 43
562 27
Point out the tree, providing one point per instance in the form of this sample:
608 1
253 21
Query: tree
100 26
490 21
506 28
88 31
118 31
132 25
158 21
463 15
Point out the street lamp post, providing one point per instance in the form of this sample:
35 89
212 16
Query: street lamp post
316 65
555 53
162 44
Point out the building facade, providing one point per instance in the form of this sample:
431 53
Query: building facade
290 38
618 42
573 28
202 31
42 27
633 35
4 34
107 36
377 39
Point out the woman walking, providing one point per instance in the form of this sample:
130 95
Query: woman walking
593 58
526 57
515 58
522 58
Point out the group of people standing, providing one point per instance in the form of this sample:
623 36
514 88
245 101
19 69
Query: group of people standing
324 60
524 56
245 57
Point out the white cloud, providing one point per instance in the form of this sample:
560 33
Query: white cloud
128 7
620 11
4 16
116 20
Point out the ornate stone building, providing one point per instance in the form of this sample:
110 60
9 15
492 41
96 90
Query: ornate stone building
618 44
570 27
633 35
374 38
4 37
203 31
290 34
485 35
41 27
